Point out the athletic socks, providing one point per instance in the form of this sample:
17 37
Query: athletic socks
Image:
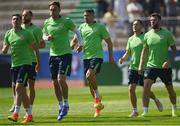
96 93
17 109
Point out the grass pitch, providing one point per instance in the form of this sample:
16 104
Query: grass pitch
116 111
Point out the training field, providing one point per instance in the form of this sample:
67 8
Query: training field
116 111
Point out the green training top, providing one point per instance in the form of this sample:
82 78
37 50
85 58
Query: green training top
59 29
135 46
92 35
158 43
19 42
37 33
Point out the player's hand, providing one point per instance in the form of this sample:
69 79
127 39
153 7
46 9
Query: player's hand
42 44
140 72
79 49
49 37
37 68
166 64
121 60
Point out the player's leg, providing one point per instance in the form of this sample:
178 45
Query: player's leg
26 103
166 77
14 77
31 85
150 76
133 81
22 77
94 68
64 70
86 64
157 101
133 99
54 66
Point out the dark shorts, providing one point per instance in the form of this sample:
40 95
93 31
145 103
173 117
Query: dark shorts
60 65
20 74
164 74
135 78
32 73
94 63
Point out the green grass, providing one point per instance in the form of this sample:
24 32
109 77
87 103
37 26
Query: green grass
115 99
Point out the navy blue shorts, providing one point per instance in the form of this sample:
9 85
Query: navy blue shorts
20 74
32 73
94 63
135 78
60 65
164 74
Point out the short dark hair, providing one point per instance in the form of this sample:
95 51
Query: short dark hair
54 3
29 11
91 11
156 15
17 15
138 20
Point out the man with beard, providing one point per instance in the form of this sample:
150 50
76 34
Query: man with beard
134 49
92 34
37 34
20 41
56 31
156 43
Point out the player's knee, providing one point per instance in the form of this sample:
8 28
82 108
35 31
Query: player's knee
131 90
88 76
61 80
19 88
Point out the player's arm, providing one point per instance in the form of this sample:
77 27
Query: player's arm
174 51
142 58
74 44
39 37
47 37
78 36
36 49
171 58
5 48
125 56
42 44
110 49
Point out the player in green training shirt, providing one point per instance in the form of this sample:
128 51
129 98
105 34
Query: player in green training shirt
134 49
92 34
156 43
56 30
20 41
37 33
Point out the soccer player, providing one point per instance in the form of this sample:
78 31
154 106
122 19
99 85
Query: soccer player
92 34
156 43
56 31
37 33
19 40
134 49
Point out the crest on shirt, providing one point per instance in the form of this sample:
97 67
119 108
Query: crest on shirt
61 26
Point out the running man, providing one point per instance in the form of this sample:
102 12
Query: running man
134 49
92 34
156 43
56 32
20 40
37 33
